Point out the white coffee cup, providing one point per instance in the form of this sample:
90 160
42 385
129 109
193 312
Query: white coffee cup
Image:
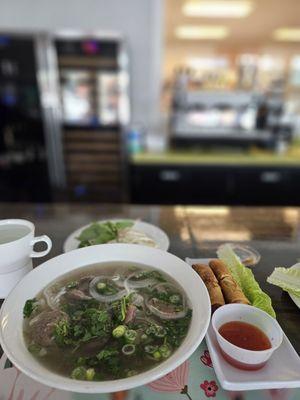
16 244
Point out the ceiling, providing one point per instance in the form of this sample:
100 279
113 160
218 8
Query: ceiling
258 27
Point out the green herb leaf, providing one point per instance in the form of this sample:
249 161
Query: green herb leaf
99 233
91 232
29 307
124 224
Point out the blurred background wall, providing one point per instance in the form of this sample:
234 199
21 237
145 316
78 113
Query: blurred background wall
140 22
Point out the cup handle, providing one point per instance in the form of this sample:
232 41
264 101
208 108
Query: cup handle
43 238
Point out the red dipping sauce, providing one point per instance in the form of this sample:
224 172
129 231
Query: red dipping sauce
245 336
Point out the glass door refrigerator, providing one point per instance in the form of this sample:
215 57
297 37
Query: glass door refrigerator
94 81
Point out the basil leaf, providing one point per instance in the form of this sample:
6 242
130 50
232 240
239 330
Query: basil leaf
124 224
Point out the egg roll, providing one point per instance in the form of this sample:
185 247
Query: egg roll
212 285
230 288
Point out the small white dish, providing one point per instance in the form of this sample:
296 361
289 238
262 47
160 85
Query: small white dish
248 359
296 299
281 371
11 313
158 235
8 281
248 255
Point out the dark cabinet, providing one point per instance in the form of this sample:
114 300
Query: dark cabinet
228 185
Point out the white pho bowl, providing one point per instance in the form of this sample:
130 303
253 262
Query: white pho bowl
11 318
246 359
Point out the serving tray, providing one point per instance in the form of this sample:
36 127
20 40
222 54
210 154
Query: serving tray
281 371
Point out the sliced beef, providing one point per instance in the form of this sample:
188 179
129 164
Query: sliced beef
76 294
162 306
84 284
93 347
130 314
42 326
81 292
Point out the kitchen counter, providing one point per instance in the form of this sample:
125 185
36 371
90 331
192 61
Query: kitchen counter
226 157
256 177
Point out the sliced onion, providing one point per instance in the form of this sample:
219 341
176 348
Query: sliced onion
100 297
117 280
165 314
163 287
131 284
53 295
128 349
137 299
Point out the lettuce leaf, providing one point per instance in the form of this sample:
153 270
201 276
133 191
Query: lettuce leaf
286 278
245 278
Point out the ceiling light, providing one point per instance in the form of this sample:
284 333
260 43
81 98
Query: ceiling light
218 9
201 32
287 34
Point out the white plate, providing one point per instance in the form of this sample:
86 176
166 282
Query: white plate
296 299
281 371
11 316
158 235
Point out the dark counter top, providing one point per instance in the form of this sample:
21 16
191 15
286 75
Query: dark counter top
194 232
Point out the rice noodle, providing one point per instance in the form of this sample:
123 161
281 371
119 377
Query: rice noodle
132 236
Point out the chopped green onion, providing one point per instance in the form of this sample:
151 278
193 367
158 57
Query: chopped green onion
101 285
34 348
144 337
175 299
80 361
130 336
119 331
151 330
156 355
72 285
79 373
37 350
165 351
128 349
150 349
90 373
160 332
